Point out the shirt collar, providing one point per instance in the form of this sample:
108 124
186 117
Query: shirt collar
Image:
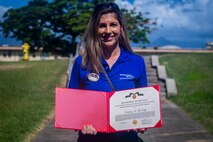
124 56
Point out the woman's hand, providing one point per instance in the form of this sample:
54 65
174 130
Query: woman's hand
141 130
89 129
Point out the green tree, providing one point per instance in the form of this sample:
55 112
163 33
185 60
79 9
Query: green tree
137 26
28 23
68 20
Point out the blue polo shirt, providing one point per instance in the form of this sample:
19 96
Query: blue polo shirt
127 72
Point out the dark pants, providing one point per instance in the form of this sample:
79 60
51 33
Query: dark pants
110 137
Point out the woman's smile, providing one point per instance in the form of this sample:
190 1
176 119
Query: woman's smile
108 38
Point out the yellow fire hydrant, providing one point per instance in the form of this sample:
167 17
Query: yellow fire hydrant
26 48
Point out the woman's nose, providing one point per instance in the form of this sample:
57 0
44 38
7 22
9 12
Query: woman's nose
108 29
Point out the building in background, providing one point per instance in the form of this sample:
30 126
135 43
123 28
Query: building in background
10 53
209 45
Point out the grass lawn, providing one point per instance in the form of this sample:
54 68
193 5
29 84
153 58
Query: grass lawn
27 96
194 78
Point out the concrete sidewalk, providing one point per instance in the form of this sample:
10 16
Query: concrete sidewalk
177 127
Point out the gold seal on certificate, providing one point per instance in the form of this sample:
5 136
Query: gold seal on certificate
134 122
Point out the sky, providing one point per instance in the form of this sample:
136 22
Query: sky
184 23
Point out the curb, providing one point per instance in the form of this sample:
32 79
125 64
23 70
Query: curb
161 71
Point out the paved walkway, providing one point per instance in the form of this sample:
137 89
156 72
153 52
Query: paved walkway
177 127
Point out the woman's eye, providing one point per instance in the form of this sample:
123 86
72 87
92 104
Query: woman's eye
114 24
102 26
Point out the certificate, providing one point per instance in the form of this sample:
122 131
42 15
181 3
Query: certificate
108 111
136 108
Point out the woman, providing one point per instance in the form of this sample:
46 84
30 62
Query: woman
106 64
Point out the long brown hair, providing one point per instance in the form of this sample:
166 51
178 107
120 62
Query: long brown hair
92 50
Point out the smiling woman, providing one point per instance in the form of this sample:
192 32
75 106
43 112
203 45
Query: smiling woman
107 64
109 33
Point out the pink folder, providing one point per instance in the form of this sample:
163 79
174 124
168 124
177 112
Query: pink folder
75 108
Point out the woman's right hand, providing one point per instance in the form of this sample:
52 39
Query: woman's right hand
89 129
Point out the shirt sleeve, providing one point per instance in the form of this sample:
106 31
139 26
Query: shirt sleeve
75 74
143 77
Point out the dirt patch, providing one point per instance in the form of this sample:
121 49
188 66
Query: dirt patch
40 127
63 80
14 66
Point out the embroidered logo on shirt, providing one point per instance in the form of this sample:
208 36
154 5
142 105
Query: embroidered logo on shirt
93 77
126 76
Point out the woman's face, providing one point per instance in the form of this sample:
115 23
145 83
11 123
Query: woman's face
109 30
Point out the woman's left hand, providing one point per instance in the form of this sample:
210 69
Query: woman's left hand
142 130
89 129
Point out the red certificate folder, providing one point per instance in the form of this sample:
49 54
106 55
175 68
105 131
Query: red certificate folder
108 111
